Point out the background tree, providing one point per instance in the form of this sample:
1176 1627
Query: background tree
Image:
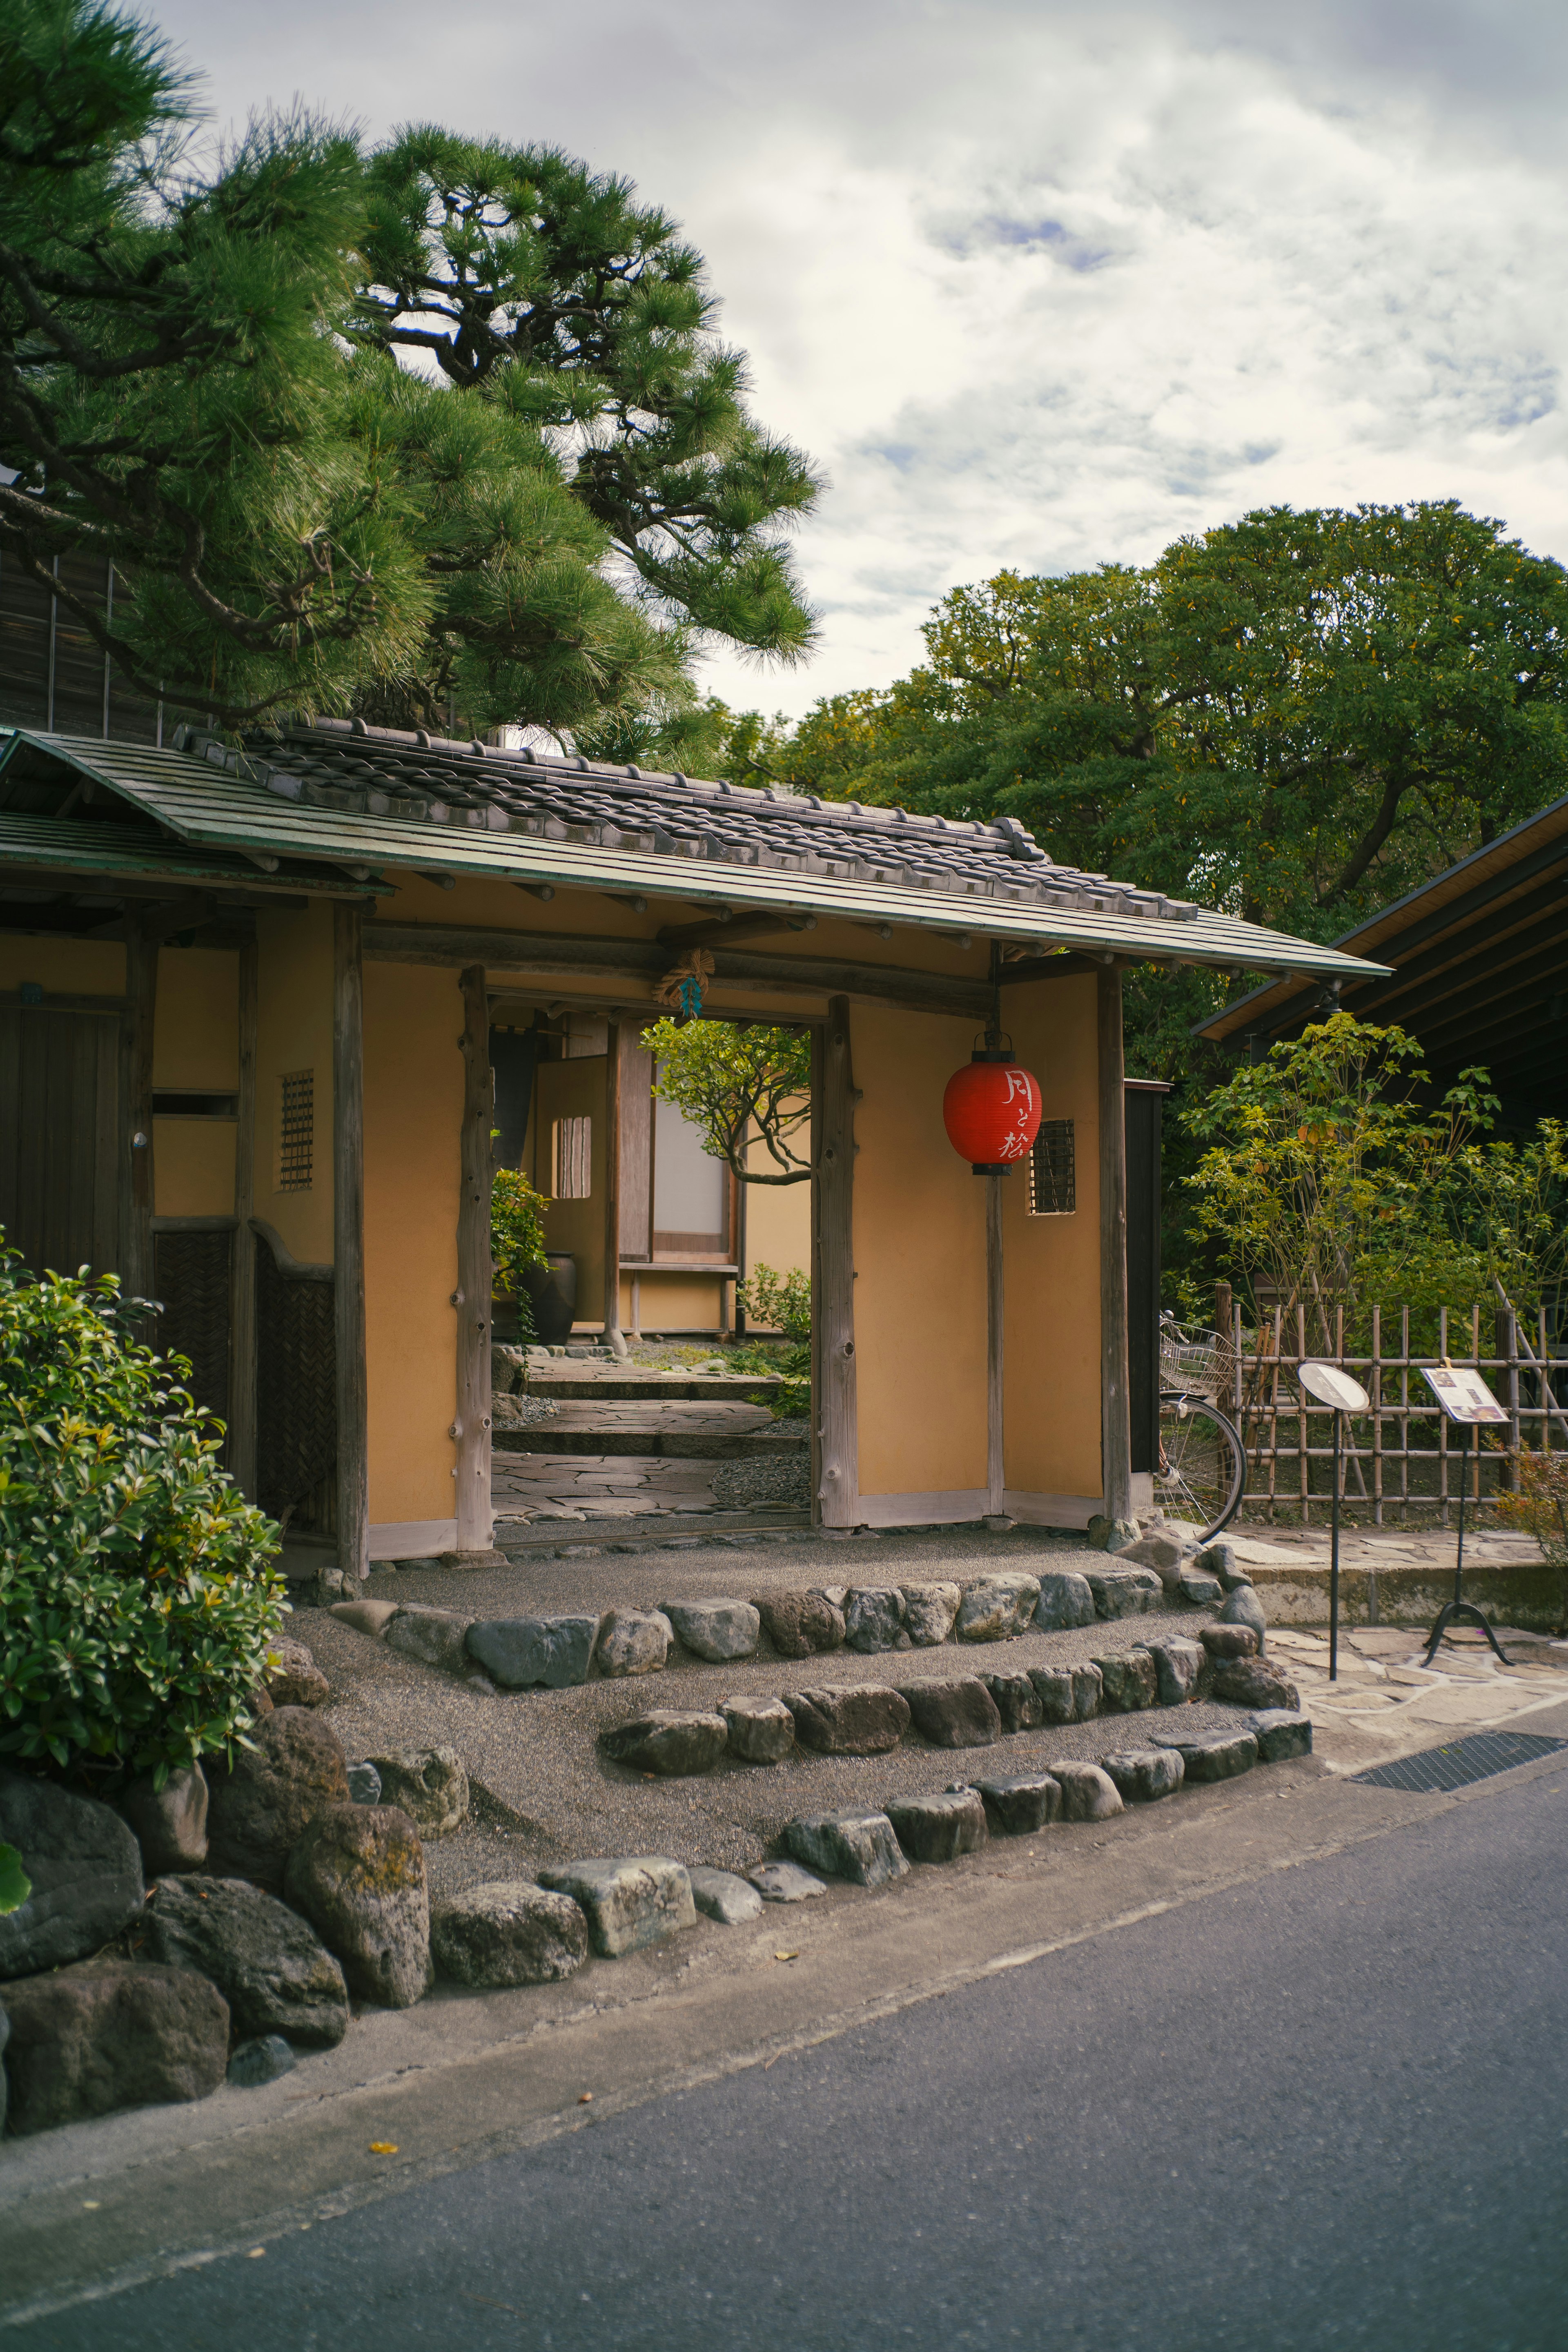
741 1083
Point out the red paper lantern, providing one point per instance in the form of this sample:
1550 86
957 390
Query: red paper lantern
991 1111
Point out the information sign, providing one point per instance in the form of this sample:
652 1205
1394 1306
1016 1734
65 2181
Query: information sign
1463 1394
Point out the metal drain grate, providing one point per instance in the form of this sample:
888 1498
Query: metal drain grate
1462 1762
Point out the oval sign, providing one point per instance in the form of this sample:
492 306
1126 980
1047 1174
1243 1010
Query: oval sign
1330 1386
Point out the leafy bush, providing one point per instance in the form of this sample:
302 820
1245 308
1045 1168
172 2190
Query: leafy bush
517 1239
136 1602
776 1302
1540 1509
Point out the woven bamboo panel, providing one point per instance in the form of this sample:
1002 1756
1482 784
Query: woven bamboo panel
191 1276
295 1411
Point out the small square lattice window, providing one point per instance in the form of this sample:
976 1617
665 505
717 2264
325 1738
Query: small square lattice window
1051 1179
297 1132
573 1158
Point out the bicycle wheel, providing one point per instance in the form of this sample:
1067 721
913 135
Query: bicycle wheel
1202 1468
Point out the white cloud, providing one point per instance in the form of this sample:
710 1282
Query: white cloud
1040 287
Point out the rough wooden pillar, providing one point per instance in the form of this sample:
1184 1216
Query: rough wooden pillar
471 1428
994 1477
836 1450
613 1191
1115 1416
136 1171
348 1238
242 1305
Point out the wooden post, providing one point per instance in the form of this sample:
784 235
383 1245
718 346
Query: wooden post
1115 1386
136 1171
836 1454
242 1307
471 1428
613 1191
348 1239
1224 1315
995 1474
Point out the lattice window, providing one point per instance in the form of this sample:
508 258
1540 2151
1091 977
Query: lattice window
573 1152
297 1132
1052 1180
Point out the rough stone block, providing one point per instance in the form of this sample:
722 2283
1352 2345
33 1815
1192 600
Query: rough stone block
292 1677
1213 1755
856 1720
86 1871
1254 1681
1179 1666
633 1641
1160 1554
674 1742
1203 1591
88 2039
959 1712
1017 1701
371 1617
1089 1792
432 1637
940 1827
170 1824
261 1806
874 1619
357 1875
720 1894
930 1611
255 2064
996 1608
859 1847
1053 1686
1242 1607
523 1652
1281 1733
1224 1642
269 1965
1018 1806
801 1625
428 1783
1219 1560
1125 1592
365 1784
1064 1601
1142 1774
715 1630
1128 1681
1087 1693
785 1882
762 1728
507 1932
629 1902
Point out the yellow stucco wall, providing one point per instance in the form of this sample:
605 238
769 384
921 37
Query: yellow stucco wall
778 1216
413 1113
195 1027
294 1032
64 967
673 1300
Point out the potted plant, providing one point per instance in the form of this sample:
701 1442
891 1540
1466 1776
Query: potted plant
538 1286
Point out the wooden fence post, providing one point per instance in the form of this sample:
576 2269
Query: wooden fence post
348 1238
612 1190
837 1451
471 1428
995 1315
242 1308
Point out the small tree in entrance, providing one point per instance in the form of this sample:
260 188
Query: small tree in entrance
738 1083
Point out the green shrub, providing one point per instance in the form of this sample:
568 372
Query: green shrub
517 1239
136 1598
776 1302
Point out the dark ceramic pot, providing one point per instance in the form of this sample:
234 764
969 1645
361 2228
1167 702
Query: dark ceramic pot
553 1294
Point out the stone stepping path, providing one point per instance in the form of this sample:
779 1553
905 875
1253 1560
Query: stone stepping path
537 1485
707 1429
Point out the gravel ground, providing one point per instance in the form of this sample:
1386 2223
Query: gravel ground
546 1795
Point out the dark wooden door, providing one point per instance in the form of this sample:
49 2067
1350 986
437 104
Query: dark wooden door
59 1132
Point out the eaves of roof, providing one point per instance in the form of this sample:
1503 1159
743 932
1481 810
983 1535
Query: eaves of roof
133 853
214 802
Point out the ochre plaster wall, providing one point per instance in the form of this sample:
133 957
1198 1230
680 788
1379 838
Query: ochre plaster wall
294 1032
919 1262
195 1025
413 1114
672 1300
778 1216
1051 1361
64 967
192 1167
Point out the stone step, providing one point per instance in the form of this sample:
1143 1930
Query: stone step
647 1439
565 1379
646 1531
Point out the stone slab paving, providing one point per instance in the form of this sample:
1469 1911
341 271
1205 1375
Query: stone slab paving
528 1486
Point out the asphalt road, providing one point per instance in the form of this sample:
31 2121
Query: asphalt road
1330 2109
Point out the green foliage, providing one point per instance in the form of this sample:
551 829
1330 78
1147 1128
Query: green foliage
517 1238
14 1883
547 289
1540 1507
136 1601
738 1083
777 1302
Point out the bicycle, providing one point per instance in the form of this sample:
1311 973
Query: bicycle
1202 1467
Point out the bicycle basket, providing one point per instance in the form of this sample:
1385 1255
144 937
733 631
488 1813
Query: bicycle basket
1195 1361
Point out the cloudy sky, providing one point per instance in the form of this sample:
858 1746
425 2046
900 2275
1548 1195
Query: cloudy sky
1040 285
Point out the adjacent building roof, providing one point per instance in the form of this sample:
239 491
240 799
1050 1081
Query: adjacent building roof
339 795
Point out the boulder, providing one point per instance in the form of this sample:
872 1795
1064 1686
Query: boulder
928 1613
1213 1755
1111 1534
371 1617
1064 1601
270 1967
996 1608
959 1712
170 1824
88 2039
1202 1591
1053 1687
1254 1681
715 1630
428 1784
357 1875
365 1784
262 1806
507 1932
1017 1701
1222 1642
1087 1693
874 1619
292 1677
1128 1682
1142 1774
1180 1666
433 1637
801 1625
4 2037
263 2061
633 1641
86 1871
762 1728
1096 1530
859 1847
940 1827
629 1902
784 1882
1218 1561
854 1719
1125 1592
720 1894
1243 1607
1280 1733
1089 1792
1020 1805
671 1742
521 1653
1160 1553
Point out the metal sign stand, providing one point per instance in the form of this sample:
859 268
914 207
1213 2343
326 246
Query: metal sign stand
1466 1399
1336 1388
